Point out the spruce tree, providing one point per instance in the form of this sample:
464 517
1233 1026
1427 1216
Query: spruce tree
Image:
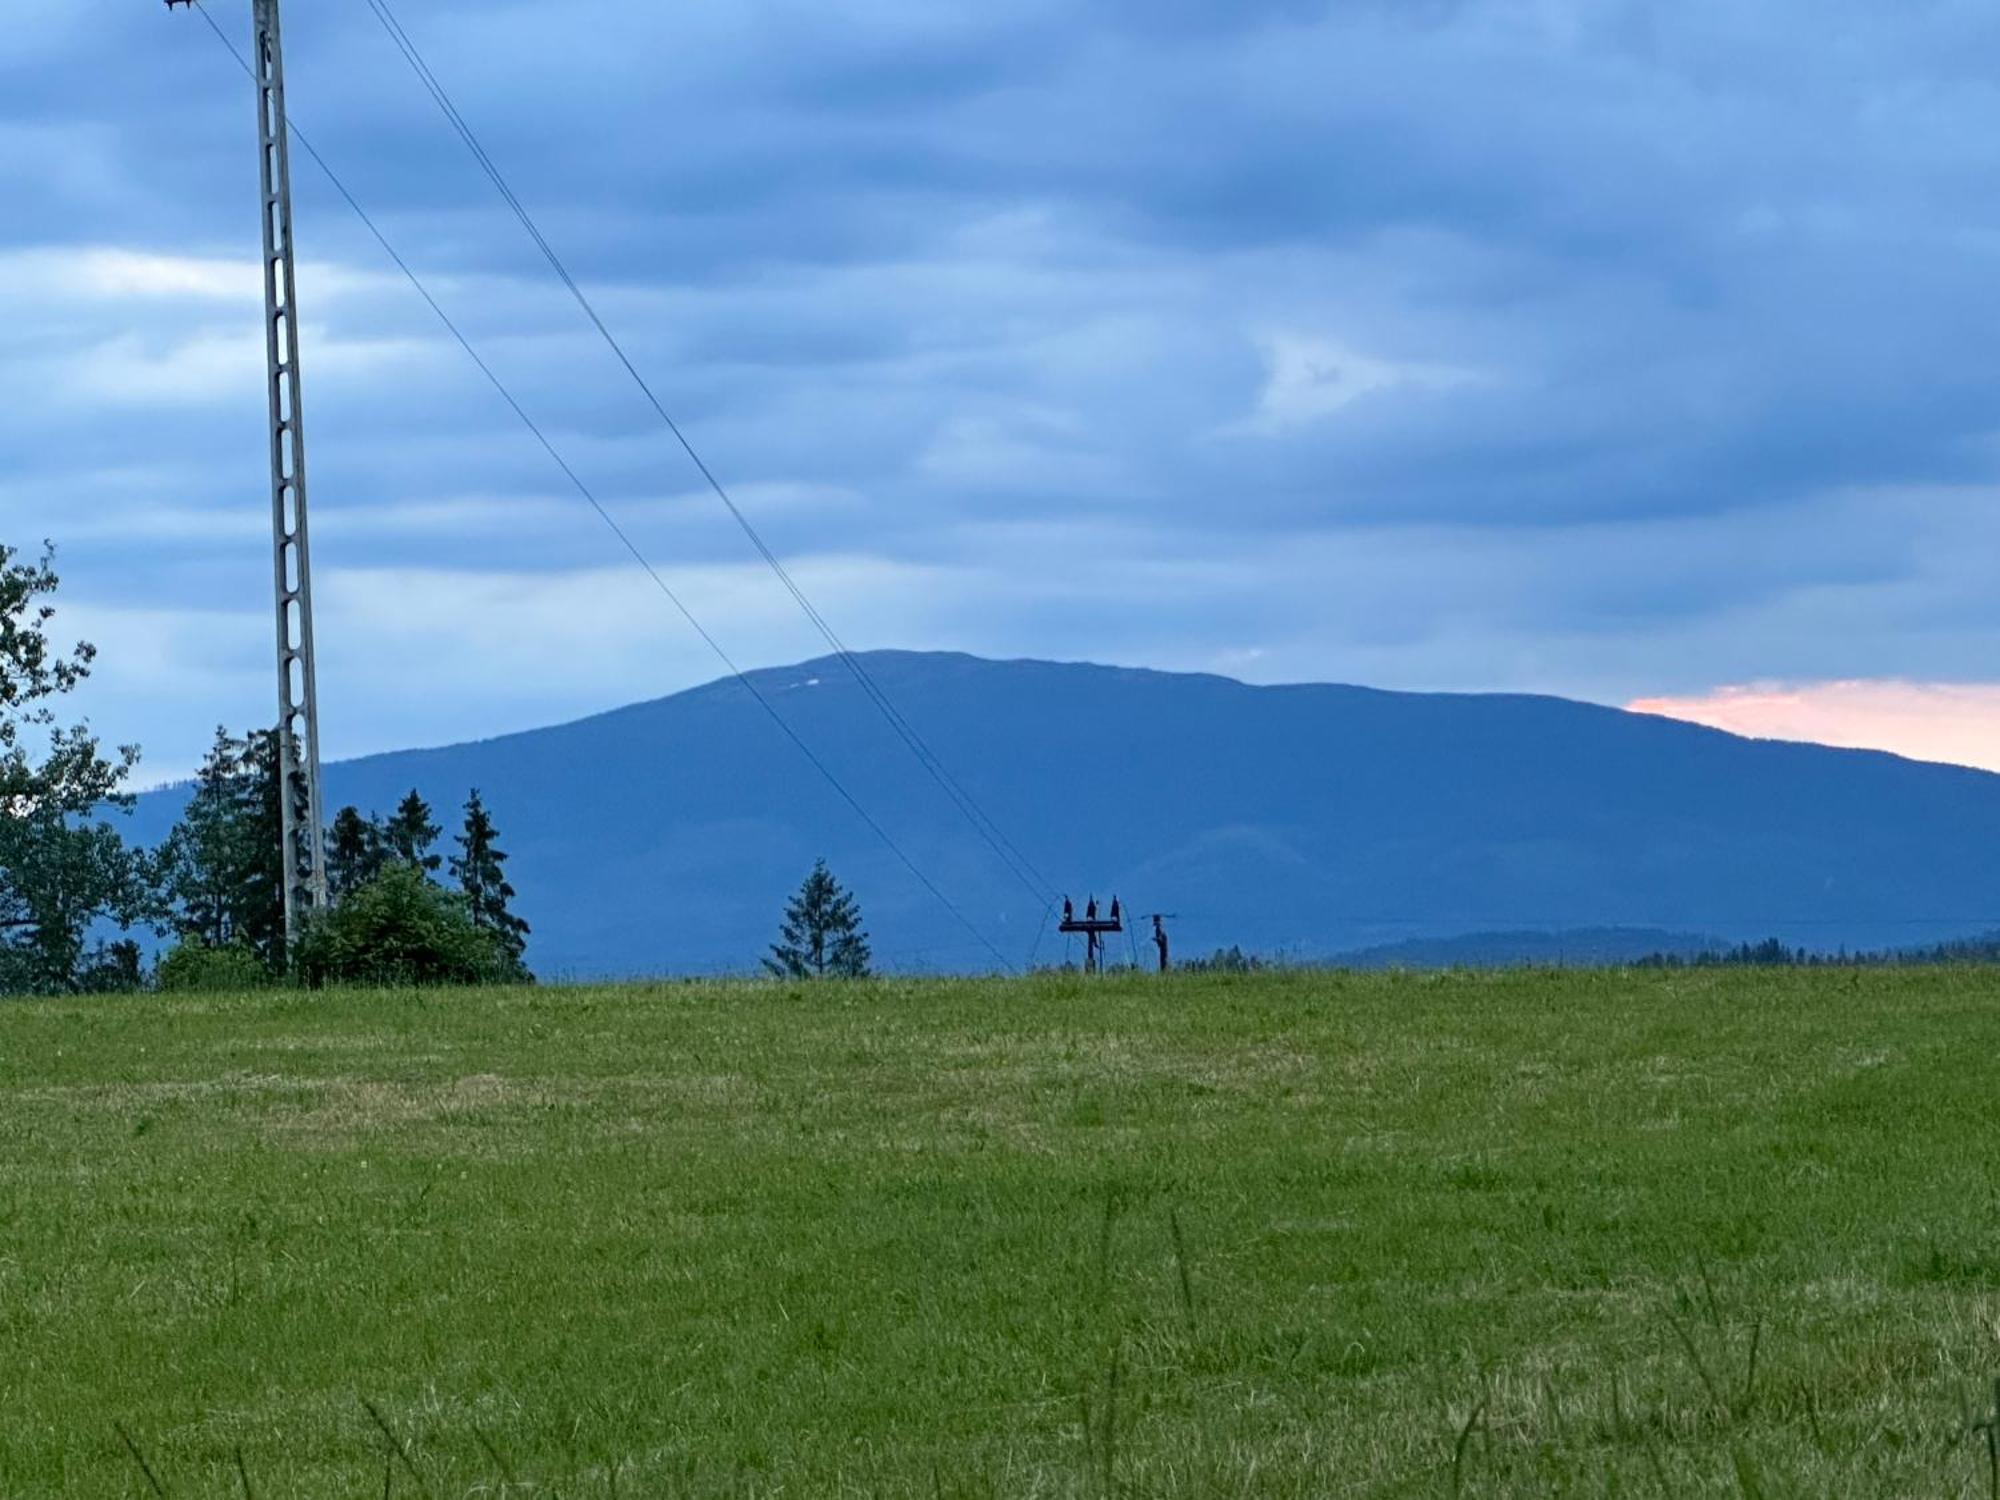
207 851
479 869
356 851
411 834
222 868
821 936
260 795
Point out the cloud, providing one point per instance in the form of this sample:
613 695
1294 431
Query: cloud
196 371
99 273
1608 350
129 273
1312 379
1957 723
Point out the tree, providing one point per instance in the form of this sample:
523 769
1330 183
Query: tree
114 969
821 934
399 930
222 868
356 850
478 868
411 834
63 869
1230 960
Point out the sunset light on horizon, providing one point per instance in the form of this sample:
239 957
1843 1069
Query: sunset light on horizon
1957 723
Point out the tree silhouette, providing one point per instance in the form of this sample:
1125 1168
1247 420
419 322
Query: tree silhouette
356 850
411 834
821 936
222 868
478 868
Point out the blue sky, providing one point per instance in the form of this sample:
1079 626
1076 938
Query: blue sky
1619 350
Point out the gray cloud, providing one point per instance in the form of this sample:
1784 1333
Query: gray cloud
1607 348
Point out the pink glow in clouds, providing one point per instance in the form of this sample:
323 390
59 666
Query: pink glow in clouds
1958 723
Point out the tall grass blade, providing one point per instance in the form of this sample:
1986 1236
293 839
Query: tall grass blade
1700 1366
1708 1291
397 1451
1464 1442
1750 1373
131 1447
1811 1403
1110 1444
1181 1265
493 1454
1104 1238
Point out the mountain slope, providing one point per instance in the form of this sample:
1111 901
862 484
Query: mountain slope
1302 819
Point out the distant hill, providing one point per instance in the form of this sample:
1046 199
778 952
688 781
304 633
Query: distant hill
1302 821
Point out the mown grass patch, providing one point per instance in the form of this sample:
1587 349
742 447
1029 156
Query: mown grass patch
1284 1235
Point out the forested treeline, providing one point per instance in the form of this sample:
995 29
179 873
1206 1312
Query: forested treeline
1771 953
404 910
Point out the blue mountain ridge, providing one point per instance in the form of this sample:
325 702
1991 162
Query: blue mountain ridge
1300 821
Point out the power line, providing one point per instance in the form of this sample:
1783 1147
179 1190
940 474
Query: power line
1017 863
609 520
989 831
1040 931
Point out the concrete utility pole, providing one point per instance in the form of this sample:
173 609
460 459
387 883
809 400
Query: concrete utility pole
301 814
291 548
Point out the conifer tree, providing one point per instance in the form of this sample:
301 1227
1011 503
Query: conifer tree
222 868
208 851
821 936
411 834
479 869
356 850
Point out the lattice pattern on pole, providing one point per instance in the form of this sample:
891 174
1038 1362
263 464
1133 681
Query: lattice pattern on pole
300 810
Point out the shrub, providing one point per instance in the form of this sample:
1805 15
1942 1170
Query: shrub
195 967
401 929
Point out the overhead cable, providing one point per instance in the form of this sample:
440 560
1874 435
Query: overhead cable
1017 863
610 521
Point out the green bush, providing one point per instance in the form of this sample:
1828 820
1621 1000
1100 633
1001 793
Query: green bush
401 929
195 967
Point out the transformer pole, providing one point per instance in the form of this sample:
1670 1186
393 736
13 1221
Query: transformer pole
301 814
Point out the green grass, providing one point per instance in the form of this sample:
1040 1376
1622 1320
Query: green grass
1520 1235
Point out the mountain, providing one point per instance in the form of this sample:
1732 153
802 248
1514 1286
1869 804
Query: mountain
1300 821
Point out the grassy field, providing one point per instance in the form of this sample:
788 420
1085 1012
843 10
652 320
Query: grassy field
1523 1235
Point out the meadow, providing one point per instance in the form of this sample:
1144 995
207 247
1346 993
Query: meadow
1523 1234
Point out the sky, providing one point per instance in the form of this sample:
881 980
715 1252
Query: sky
1635 352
